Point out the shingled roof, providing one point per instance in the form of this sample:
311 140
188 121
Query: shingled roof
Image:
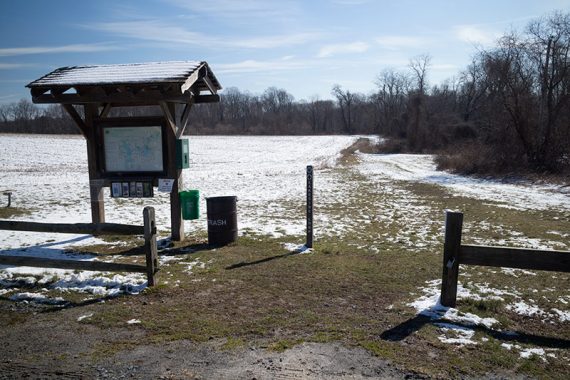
86 84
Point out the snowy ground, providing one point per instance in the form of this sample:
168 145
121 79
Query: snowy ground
49 176
390 172
421 168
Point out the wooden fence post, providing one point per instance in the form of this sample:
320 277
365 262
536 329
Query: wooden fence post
451 247
309 243
150 245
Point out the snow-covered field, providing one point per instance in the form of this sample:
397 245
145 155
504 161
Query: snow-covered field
267 174
48 174
421 168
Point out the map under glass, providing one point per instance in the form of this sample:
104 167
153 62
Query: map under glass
133 149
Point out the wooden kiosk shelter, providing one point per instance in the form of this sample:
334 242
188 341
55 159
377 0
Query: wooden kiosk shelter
172 86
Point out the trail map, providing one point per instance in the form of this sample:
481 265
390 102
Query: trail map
133 149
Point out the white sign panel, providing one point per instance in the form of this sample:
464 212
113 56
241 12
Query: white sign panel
133 149
165 185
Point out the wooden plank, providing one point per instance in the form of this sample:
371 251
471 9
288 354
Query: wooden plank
37 91
206 99
144 97
451 248
169 113
558 261
105 111
70 264
75 228
76 118
184 120
209 84
150 246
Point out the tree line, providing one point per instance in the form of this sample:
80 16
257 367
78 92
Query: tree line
508 109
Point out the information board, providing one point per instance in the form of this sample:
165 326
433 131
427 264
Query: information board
133 149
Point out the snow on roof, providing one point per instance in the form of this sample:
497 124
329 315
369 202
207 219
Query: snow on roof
133 73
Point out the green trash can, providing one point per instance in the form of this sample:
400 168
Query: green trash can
190 203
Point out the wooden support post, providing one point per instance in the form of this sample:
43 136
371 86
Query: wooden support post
451 248
309 243
96 184
150 245
183 122
177 226
76 118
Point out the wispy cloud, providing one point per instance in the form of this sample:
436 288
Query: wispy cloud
153 30
400 42
350 2
11 66
289 39
475 34
254 66
347 48
158 31
243 9
76 48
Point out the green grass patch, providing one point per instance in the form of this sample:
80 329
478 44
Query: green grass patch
10 212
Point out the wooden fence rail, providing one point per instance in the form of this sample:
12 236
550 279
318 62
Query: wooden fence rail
455 253
148 230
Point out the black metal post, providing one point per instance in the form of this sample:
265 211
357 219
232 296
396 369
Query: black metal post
9 195
309 207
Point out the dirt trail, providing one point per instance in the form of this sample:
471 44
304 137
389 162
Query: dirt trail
183 360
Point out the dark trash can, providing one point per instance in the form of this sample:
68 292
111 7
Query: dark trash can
222 220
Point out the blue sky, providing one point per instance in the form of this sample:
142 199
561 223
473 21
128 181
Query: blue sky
303 46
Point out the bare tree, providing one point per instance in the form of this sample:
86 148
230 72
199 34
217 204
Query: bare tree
419 66
390 101
416 130
548 49
346 101
6 112
25 110
472 89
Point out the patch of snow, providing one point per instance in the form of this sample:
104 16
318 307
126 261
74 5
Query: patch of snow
79 319
167 259
522 308
563 316
517 272
195 264
429 305
294 247
133 321
526 353
462 335
37 298
96 284
170 71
